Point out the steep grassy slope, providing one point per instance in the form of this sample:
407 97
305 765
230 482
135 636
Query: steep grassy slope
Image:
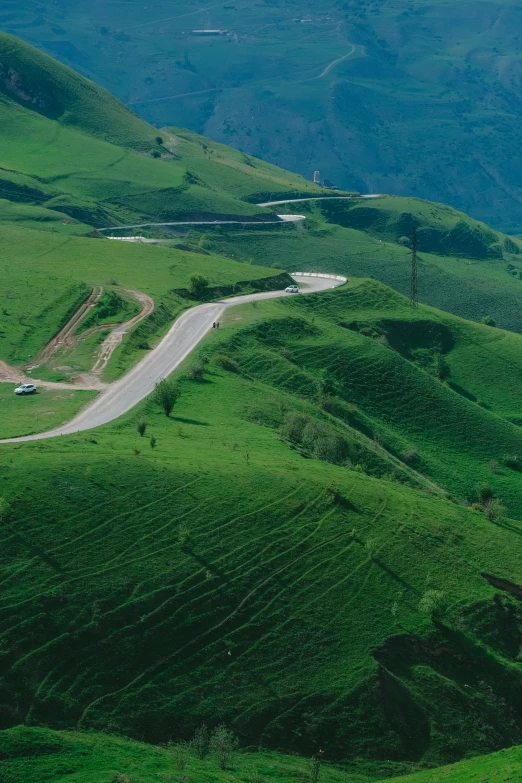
43 756
403 97
47 275
50 168
41 84
272 575
31 755
505 765
464 266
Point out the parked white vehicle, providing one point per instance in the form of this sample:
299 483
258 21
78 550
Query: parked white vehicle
292 289
25 388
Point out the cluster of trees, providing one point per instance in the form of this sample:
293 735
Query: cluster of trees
220 745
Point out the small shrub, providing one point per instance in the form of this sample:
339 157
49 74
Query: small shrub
226 362
180 754
489 321
141 427
432 602
293 426
196 372
493 466
159 140
201 741
512 462
481 493
223 743
152 442
137 452
155 153
494 509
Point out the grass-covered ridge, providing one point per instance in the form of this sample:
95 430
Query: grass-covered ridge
263 558
36 755
405 98
54 273
41 84
464 266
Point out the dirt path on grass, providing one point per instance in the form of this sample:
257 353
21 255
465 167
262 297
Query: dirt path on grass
334 63
65 336
119 330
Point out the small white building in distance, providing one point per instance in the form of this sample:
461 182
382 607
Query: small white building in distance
317 177
209 32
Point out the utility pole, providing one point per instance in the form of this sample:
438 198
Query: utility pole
414 301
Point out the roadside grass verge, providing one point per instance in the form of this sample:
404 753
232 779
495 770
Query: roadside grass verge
33 413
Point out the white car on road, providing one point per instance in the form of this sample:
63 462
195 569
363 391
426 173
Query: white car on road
25 388
292 289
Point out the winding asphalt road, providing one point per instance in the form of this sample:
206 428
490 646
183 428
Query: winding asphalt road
189 329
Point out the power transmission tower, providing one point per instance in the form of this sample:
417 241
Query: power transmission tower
413 291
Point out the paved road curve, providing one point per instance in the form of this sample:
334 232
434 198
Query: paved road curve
189 329
317 198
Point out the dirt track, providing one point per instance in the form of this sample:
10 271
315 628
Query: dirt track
66 338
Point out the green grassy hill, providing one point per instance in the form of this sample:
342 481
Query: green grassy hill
35 755
464 266
296 556
319 547
48 274
50 167
41 84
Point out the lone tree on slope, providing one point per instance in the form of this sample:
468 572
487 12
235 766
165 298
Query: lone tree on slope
166 394
223 743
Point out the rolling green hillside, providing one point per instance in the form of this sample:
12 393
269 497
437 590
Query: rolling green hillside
47 275
320 546
294 555
464 266
50 168
408 97
31 755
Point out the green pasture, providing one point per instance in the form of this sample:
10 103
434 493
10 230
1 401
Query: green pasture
37 755
33 413
46 276
234 571
464 284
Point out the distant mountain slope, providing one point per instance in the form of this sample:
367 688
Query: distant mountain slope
408 97
69 145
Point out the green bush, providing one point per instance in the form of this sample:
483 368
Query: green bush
197 285
226 362
196 372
